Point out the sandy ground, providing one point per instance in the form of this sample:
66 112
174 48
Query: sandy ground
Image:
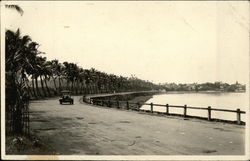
85 129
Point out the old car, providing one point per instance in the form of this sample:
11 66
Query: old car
66 97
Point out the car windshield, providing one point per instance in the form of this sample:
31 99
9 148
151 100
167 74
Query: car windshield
65 96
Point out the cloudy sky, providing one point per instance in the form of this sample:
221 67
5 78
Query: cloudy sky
181 42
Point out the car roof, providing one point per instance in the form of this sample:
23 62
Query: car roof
65 91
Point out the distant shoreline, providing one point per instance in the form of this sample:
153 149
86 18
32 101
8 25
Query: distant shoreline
183 92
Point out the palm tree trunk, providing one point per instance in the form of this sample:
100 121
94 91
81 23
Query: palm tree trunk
68 84
28 88
84 89
60 85
33 88
37 89
81 92
46 85
95 89
80 88
44 92
72 86
54 80
91 88
77 86
87 89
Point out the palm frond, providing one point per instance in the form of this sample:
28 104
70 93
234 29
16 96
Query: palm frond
16 7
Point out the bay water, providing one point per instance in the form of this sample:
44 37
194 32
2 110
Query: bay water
230 101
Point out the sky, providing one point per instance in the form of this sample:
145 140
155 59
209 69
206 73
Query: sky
182 42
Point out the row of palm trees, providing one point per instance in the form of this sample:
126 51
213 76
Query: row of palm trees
28 74
44 78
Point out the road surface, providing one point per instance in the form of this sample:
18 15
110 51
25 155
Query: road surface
83 129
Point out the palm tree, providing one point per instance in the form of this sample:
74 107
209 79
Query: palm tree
34 67
47 75
40 61
25 52
57 73
54 66
80 80
16 76
71 73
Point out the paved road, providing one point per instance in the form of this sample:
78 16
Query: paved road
84 129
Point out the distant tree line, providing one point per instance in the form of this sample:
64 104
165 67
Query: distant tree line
216 86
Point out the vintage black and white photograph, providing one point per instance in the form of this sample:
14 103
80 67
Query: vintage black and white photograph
125 80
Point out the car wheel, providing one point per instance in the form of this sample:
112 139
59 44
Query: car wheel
60 102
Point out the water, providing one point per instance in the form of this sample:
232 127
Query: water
230 101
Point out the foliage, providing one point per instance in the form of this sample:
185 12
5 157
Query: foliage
16 7
29 68
208 86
